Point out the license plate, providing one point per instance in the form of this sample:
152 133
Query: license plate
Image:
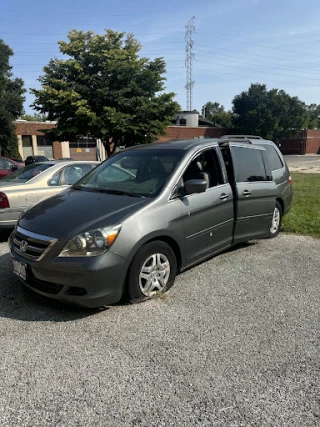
20 269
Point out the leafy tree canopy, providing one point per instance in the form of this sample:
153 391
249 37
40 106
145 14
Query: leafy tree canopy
105 89
272 114
34 118
11 103
314 116
216 113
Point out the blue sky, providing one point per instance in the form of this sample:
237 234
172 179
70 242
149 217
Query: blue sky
236 42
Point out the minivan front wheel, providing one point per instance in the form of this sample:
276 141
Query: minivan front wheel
152 272
276 221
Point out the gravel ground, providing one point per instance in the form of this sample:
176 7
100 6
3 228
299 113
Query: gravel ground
235 343
303 164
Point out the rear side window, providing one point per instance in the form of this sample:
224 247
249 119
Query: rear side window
249 165
273 157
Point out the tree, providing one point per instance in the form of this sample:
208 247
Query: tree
211 108
11 103
271 114
217 114
34 118
106 90
314 116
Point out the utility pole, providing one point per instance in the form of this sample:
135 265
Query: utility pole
190 29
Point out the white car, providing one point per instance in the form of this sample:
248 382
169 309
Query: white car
34 183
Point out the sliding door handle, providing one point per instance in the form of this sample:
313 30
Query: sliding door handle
224 196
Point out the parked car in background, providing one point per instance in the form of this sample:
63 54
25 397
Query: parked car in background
65 159
28 186
35 159
145 214
8 166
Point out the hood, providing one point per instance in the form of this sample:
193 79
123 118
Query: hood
73 211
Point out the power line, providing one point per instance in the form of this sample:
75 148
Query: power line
65 34
257 45
260 62
254 54
90 14
250 69
250 77
238 60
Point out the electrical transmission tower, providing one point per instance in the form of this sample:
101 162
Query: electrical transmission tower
190 29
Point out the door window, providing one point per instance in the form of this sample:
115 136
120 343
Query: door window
248 164
205 166
273 157
73 173
55 181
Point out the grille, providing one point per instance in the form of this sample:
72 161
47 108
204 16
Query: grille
31 246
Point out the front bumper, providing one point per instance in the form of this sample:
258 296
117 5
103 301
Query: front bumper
88 281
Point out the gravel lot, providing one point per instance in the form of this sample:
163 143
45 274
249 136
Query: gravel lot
303 164
235 343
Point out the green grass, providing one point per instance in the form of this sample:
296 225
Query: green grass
304 216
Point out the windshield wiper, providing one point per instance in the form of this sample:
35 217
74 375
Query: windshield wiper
116 192
78 187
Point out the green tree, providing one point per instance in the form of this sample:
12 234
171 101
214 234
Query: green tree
211 108
314 116
272 114
11 103
105 89
217 114
34 118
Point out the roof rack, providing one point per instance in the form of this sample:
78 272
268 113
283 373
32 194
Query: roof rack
240 137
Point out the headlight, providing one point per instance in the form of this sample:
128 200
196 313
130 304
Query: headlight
91 243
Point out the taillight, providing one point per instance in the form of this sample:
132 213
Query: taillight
4 202
290 180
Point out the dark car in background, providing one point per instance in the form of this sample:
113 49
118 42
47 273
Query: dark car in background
35 159
7 166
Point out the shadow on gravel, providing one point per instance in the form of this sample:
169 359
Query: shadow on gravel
4 235
19 303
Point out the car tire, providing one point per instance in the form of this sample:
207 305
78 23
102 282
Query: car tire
152 271
276 221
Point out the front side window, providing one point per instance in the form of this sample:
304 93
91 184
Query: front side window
248 164
141 173
206 167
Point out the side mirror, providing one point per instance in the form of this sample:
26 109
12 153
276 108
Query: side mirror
14 168
195 186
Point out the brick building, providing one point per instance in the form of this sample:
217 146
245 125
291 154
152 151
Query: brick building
32 141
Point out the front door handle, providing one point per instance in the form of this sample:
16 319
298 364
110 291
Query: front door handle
246 193
224 196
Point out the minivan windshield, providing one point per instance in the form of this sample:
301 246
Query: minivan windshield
138 173
25 174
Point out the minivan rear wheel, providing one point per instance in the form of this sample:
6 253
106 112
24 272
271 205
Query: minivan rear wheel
152 272
276 221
